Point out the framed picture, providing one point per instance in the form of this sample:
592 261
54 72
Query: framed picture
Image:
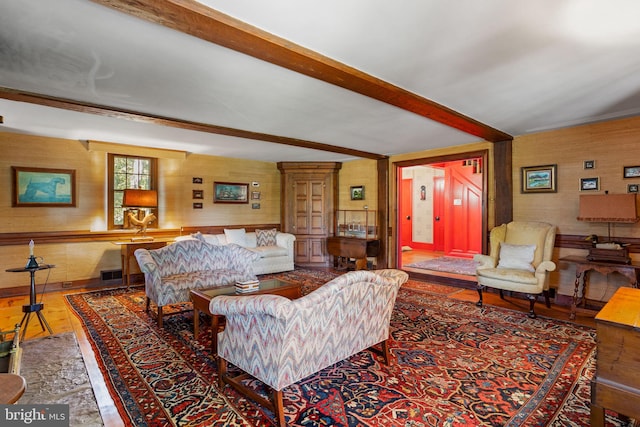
255 205
197 206
196 180
198 194
632 188
230 192
631 171
539 179
357 192
589 164
255 195
590 184
43 187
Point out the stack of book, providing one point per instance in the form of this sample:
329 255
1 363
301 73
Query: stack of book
248 286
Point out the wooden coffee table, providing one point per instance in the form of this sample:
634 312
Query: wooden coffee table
202 297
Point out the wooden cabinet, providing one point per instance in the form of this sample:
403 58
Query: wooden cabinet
309 198
616 385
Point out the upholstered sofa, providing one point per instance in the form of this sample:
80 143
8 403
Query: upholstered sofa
280 341
172 271
275 249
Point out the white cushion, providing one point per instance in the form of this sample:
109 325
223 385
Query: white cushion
236 236
517 257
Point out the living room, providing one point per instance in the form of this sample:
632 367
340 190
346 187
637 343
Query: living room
585 150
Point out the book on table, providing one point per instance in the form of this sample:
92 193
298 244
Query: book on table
247 286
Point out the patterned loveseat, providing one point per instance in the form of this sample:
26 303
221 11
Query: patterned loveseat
280 341
171 272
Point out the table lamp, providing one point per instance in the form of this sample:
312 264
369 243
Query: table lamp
139 201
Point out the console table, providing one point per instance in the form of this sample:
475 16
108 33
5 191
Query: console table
584 267
129 263
33 306
616 384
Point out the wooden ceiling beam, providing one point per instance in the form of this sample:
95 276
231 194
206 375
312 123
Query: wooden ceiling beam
101 110
198 20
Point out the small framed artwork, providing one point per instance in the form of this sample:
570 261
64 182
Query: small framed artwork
589 164
196 180
230 192
631 171
197 206
43 187
590 184
632 188
357 192
255 205
539 179
255 195
198 194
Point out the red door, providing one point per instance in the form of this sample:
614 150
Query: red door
406 210
438 214
463 212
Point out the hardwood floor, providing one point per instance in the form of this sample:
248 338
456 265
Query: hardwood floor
62 319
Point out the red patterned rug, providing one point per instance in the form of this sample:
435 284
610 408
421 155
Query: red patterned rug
454 365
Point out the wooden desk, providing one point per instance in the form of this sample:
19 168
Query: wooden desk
584 267
616 385
345 248
129 263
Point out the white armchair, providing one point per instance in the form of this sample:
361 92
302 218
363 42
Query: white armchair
519 260
281 341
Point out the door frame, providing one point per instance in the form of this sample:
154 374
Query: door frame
424 161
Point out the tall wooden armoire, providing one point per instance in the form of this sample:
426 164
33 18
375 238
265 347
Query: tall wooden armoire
308 202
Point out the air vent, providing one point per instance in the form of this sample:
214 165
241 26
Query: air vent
107 275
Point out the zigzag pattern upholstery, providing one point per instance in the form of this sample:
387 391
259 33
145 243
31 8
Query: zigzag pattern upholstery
172 271
280 341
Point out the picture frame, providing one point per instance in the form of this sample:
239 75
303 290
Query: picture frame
539 179
255 195
255 205
633 188
43 187
357 192
230 192
590 184
196 180
197 194
589 164
631 171
197 205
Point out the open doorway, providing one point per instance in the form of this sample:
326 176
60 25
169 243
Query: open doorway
441 208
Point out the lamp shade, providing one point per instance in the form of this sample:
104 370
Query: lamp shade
608 208
140 198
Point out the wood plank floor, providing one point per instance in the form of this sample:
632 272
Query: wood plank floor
61 319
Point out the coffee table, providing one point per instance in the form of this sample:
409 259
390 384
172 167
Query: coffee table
202 297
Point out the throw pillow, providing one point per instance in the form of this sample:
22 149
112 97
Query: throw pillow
198 236
236 236
518 257
266 237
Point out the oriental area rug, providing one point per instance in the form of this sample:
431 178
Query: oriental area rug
453 365
447 264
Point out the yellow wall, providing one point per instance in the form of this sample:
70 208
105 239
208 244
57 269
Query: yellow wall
80 261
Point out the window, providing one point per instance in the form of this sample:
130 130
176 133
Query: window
128 172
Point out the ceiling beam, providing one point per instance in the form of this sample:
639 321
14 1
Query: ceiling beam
101 110
200 21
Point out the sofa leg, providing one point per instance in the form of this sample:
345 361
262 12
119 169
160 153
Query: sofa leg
479 303
222 371
279 407
148 304
532 301
159 317
501 294
385 352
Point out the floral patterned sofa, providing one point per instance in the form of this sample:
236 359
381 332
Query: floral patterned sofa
172 271
280 341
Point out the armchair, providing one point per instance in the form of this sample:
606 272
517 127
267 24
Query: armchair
280 341
519 259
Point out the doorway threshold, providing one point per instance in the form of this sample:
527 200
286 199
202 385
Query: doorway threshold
458 280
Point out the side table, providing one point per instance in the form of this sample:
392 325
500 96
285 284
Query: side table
33 306
584 267
127 249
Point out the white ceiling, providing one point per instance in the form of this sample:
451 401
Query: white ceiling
518 66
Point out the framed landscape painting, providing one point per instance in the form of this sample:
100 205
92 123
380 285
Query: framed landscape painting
33 187
539 179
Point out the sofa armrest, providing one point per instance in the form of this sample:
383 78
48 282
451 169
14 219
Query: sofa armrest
286 240
249 305
484 261
152 278
545 266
